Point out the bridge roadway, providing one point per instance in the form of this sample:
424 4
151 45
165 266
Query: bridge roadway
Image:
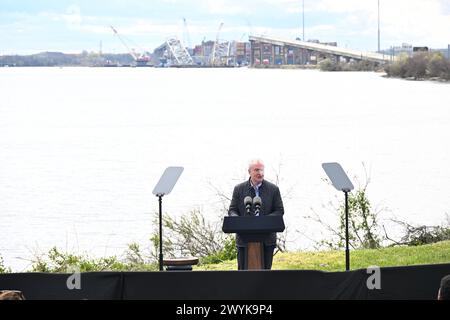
344 52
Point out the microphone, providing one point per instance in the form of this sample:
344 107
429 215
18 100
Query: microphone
248 204
257 203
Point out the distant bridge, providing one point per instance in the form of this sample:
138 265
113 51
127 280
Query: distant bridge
277 51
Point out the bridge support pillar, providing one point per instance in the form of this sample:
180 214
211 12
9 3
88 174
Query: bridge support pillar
252 53
337 58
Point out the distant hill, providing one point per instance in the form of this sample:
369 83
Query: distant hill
52 59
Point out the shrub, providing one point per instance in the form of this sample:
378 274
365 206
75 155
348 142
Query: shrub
193 235
421 235
363 66
416 66
362 220
329 65
3 269
438 66
228 252
58 261
419 66
398 68
363 224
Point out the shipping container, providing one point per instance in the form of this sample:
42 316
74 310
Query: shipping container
267 49
267 59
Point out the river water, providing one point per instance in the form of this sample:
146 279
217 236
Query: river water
82 148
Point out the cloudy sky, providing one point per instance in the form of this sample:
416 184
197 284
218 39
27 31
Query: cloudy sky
29 26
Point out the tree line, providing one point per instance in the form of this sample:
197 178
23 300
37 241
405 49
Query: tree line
54 59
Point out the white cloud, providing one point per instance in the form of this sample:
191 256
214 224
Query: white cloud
72 17
342 6
352 23
224 7
416 21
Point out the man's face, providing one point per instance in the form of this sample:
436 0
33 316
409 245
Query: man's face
256 172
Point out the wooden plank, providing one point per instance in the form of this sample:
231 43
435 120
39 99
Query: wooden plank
255 259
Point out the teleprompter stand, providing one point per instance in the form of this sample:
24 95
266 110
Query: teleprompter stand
341 182
162 188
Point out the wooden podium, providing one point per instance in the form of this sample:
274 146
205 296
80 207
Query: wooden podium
253 230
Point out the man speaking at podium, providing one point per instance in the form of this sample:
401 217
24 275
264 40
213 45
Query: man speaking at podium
265 199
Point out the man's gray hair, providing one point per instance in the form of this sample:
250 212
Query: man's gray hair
253 162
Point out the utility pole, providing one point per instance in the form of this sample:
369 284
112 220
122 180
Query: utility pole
303 31
303 19
379 44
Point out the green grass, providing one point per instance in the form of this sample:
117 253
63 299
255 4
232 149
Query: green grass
359 259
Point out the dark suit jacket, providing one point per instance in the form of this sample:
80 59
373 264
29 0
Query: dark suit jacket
271 205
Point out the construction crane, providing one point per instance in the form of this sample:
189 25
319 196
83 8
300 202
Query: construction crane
141 60
213 54
187 39
220 50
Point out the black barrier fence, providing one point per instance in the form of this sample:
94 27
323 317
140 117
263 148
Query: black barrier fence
405 283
